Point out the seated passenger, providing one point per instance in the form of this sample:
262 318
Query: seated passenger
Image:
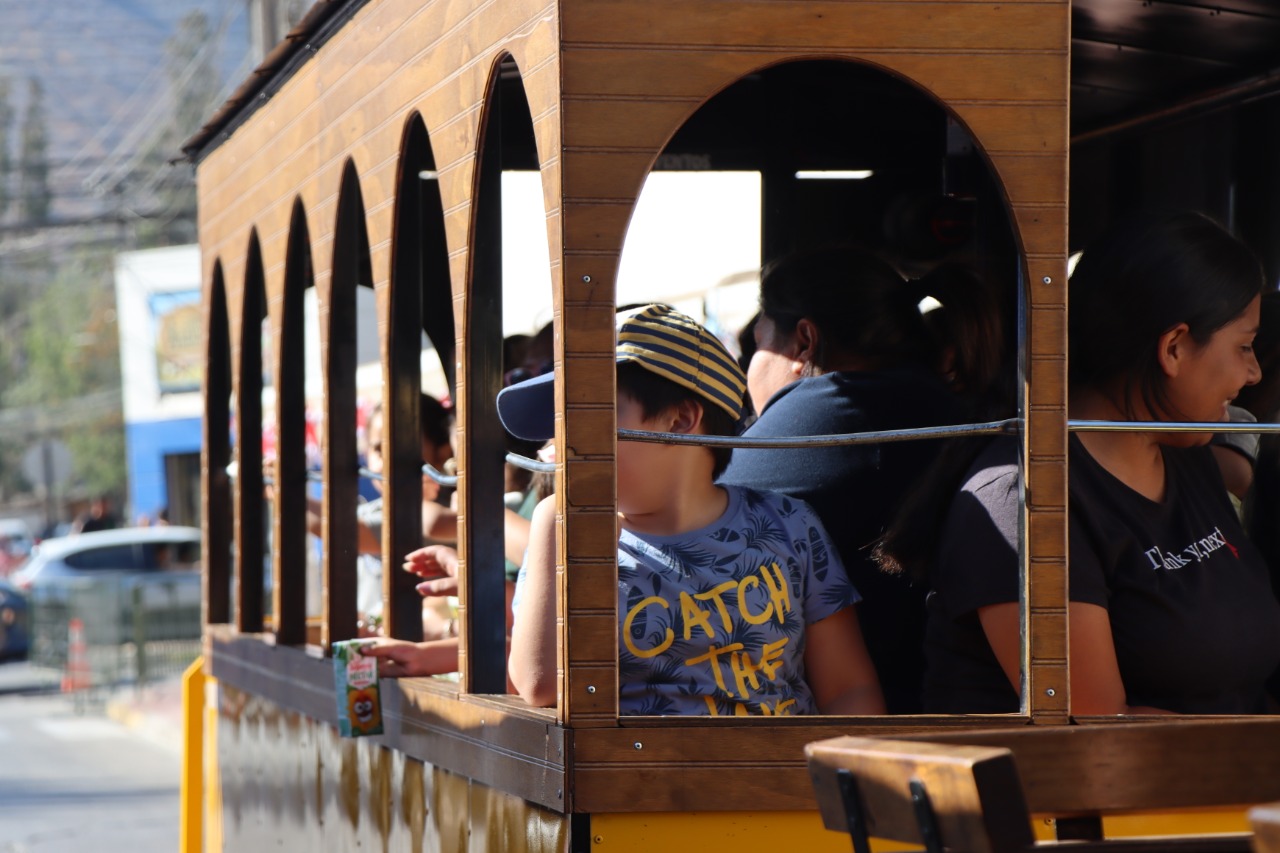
841 349
731 600
1171 607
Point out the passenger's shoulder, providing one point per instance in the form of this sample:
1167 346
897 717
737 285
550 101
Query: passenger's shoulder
774 503
994 469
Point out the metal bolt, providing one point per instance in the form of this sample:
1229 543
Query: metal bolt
638 745
1047 279
1050 692
591 688
586 279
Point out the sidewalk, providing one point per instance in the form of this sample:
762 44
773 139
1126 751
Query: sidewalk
153 711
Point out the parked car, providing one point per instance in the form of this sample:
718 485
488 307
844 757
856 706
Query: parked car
15 624
124 550
122 585
16 543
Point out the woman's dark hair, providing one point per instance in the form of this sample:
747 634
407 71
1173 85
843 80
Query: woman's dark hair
655 395
1138 281
859 303
966 323
434 419
747 342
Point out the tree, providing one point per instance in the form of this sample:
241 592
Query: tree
71 354
33 158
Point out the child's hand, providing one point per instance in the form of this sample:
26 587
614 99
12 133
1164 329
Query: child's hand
439 565
403 659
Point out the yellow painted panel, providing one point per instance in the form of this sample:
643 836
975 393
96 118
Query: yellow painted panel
191 814
741 832
769 832
1184 822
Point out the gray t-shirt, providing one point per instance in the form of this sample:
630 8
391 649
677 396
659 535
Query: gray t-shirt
713 621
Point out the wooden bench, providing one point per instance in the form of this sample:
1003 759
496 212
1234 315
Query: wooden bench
963 798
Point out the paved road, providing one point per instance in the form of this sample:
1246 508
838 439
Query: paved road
77 782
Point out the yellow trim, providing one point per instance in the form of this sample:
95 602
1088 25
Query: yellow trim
770 832
1181 822
741 832
212 775
190 820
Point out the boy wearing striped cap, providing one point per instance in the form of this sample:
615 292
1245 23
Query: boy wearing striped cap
731 601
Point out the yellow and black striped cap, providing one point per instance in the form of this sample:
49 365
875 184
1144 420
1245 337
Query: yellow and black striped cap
674 346
659 339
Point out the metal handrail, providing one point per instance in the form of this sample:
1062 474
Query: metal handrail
1009 426
1172 426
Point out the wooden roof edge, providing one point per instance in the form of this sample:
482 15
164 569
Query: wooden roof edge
322 20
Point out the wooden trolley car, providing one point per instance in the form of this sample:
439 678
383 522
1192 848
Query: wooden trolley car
368 151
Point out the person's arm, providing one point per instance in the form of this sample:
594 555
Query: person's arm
515 536
1096 686
403 659
532 663
1236 468
1002 623
838 667
439 565
439 523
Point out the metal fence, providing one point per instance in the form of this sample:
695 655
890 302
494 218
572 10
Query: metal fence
117 629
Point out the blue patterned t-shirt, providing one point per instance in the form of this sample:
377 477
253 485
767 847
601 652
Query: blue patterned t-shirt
713 621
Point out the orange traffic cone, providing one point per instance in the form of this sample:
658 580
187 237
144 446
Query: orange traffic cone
77 675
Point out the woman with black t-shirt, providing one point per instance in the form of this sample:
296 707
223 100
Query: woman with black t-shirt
1171 607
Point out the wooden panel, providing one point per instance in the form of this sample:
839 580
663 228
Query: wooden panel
1048 584
590 483
589 432
590 330
836 26
1049 693
596 227
1046 534
593 638
593 537
1043 229
1136 766
1047 431
636 72
1050 479
1048 635
590 380
498 743
1052 291
1065 769
592 690
588 278
1048 332
594 586
700 764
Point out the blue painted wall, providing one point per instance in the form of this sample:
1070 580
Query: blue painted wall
147 444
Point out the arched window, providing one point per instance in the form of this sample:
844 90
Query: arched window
250 527
293 552
420 359
507 146
340 320
219 512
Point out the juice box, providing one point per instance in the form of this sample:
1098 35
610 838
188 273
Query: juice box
355 679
